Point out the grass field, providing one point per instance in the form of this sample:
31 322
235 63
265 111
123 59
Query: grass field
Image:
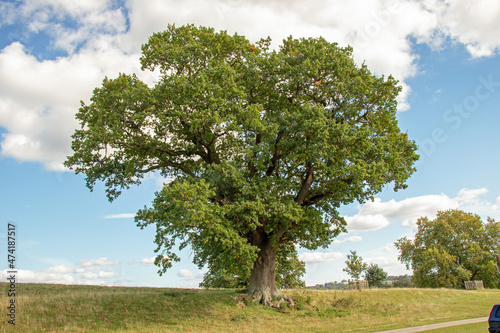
62 308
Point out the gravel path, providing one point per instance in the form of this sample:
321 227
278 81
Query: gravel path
435 326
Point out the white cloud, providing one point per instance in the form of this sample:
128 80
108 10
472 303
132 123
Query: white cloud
190 275
350 239
59 275
377 214
60 269
89 271
89 18
366 222
186 274
389 247
473 24
98 262
7 13
43 276
321 257
89 275
389 263
99 275
470 200
467 196
119 216
148 261
39 98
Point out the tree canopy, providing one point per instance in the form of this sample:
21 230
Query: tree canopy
263 146
355 266
375 275
289 272
454 247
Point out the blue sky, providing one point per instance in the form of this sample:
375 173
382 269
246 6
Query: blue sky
53 53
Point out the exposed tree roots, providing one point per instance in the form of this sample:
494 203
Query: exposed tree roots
276 300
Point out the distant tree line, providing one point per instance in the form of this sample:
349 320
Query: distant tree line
373 273
399 281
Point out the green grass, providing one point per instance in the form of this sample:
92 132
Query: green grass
61 308
469 328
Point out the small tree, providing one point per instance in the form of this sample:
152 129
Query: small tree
355 265
375 275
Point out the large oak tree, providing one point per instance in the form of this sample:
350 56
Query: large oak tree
263 145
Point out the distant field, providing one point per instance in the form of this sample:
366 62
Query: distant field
62 308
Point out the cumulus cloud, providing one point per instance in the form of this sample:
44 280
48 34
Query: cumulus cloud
468 196
366 222
190 275
311 258
39 97
148 261
350 239
61 274
377 214
98 262
470 200
59 269
86 272
186 274
472 24
43 276
85 18
101 274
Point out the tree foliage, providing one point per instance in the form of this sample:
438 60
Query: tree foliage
289 272
263 145
454 247
402 281
375 275
355 265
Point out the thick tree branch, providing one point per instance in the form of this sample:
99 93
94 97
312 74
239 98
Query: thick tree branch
306 184
251 165
314 199
276 157
317 197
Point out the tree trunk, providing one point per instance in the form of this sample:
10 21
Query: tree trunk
262 286
498 267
